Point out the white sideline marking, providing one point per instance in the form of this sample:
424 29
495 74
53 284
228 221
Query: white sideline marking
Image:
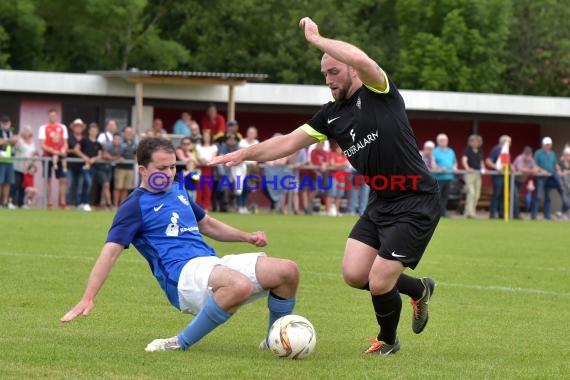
507 289
91 258
498 288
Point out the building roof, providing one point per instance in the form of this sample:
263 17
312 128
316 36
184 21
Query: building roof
277 94
181 77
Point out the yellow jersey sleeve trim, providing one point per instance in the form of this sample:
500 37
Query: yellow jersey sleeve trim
378 90
313 133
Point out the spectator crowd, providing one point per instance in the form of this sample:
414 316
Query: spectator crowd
536 175
94 167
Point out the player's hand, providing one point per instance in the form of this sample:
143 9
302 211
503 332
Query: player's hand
310 28
230 159
82 308
258 238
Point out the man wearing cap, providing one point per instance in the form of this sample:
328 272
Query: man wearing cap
546 159
231 129
8 140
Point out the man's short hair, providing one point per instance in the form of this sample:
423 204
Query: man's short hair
503 139
150 145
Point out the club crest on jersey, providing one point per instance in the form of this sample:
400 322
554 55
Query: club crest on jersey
184 200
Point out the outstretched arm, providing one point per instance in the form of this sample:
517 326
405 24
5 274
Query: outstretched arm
269 150
367 69
220 231
99 274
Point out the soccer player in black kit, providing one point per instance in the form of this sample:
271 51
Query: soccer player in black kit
369 122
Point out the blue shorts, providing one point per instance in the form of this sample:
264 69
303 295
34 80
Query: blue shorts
337 188
7 176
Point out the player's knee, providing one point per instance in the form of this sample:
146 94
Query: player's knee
353 279
242 289
290 272
380 286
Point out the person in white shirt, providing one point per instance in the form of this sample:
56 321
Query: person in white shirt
251 168
106 137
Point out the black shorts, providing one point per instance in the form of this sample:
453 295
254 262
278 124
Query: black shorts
59 173
104 174
399 230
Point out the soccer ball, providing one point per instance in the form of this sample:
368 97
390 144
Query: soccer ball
292 337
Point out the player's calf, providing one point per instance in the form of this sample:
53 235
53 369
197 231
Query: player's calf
281 278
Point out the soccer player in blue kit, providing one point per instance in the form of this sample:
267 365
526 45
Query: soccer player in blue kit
166 227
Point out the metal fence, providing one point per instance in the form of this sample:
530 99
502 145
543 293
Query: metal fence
43 201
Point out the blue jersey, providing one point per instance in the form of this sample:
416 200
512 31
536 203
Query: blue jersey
164 229
444 159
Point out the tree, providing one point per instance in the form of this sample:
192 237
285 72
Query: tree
108 34
21 35
520 46
4 48
539 49
452 44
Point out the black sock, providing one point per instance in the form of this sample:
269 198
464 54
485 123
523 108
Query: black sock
410 286
387 307
276 296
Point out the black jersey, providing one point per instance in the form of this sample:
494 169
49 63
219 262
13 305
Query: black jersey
375 134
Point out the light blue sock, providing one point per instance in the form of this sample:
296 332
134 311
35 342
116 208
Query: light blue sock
278 308
210 317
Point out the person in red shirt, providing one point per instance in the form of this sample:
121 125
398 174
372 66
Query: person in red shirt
53 140
338 165
213 121
30 191
319 158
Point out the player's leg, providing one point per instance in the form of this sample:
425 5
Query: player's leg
212 290
387 304
406 241
230 289
281 278
357 262
360 252
420 290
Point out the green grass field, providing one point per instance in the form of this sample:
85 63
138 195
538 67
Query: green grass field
500 309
